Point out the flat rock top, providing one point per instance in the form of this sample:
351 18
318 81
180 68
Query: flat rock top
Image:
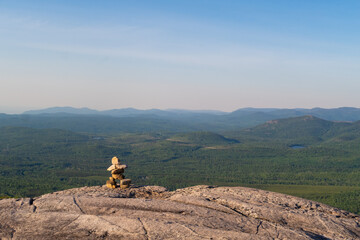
152 212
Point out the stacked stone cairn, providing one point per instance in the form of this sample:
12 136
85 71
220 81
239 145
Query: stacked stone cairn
117 171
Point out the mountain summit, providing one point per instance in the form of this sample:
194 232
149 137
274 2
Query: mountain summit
151 212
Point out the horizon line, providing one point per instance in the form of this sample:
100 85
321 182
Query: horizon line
167 109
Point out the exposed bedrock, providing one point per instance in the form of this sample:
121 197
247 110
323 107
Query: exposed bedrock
151 212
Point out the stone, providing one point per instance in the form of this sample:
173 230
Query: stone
152 212
117 171
115 160
124 186
111 168
110 184
122 166
112 180
116 166
118 176
125 182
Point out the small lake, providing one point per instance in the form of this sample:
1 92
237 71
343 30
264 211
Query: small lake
297 146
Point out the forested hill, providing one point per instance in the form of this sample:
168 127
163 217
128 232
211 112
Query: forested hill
305 127
301 130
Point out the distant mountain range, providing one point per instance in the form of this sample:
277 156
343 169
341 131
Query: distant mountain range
121 112
257 114
155 120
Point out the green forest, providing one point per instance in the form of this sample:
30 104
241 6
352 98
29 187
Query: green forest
326 168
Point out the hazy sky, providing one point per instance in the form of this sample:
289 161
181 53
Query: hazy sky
196 54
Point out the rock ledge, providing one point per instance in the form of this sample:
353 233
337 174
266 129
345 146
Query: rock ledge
152 212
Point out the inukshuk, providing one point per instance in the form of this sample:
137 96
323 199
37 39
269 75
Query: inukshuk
117 171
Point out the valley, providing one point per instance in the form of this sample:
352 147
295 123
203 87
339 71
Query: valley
37 161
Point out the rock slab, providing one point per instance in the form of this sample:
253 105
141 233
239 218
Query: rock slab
152 212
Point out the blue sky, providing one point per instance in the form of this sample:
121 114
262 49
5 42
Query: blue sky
219 55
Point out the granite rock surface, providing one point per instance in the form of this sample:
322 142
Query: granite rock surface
152 212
